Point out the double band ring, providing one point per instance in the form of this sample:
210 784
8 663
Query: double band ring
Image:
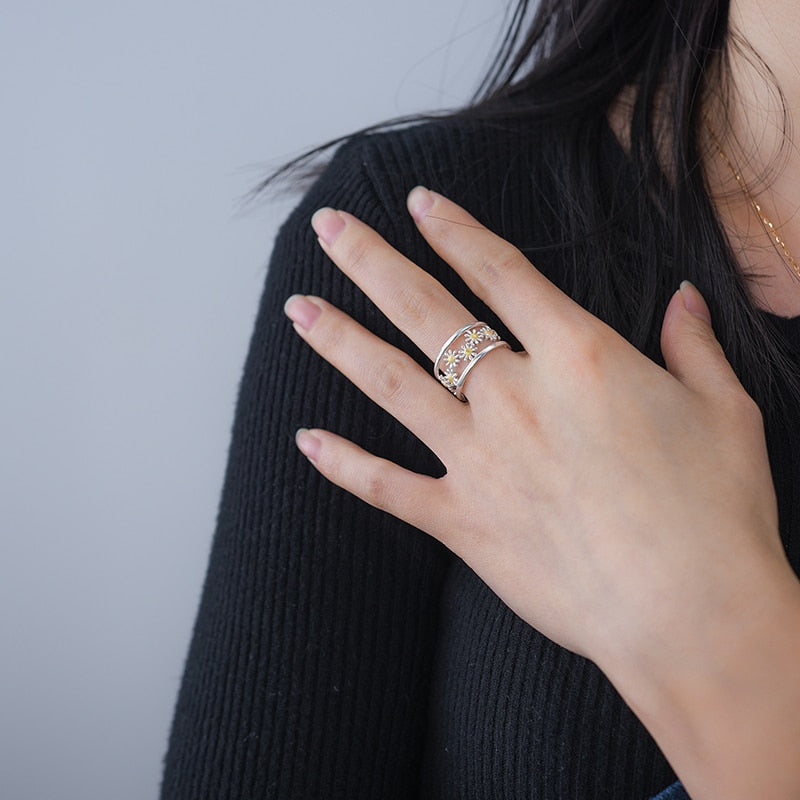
461 352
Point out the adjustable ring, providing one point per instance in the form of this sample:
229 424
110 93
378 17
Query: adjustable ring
456 359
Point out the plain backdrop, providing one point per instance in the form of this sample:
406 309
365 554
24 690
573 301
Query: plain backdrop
129 281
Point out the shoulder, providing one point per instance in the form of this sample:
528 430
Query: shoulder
502 172
495 170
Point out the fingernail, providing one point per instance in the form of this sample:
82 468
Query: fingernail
419 202
307 443
301 310
327 224
694 302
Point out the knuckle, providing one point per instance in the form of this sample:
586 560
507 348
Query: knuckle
377 489
591 352
416 305
388 380
357 254
496 267
587 354
331 333
747 410
522 410
329 463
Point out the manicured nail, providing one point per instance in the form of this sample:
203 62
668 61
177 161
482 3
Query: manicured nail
419 202
327 224
301 310
307 443
694 302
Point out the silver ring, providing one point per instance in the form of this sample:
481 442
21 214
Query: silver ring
454 363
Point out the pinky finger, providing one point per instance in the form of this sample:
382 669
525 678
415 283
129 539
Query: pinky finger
414 498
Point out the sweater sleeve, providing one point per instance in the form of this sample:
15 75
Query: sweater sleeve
673 792
308 668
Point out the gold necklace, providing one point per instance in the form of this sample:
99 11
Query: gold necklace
768 226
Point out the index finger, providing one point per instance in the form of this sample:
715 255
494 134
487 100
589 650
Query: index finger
496 271
407 294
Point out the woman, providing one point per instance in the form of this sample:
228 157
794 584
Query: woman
616 607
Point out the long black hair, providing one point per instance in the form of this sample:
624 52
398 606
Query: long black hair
565 62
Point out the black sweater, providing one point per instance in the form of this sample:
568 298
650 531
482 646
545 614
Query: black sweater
338 652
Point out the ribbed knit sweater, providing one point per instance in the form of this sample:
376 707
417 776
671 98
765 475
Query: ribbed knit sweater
338 652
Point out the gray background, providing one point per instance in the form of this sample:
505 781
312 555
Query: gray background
129 283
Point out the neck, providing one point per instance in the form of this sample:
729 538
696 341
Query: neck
764 36
763 140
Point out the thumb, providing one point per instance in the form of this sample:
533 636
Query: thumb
691 350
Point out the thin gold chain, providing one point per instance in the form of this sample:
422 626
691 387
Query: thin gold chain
768 226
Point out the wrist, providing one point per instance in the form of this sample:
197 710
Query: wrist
722 697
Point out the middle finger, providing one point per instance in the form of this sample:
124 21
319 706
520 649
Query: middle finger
410 297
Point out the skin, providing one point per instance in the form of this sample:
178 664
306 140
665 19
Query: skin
627 511
768 160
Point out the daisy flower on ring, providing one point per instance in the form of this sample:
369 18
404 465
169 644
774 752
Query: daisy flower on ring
468 351
449 378
450 358
474 336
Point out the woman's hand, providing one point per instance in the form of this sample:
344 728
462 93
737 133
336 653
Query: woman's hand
624 510
583 481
